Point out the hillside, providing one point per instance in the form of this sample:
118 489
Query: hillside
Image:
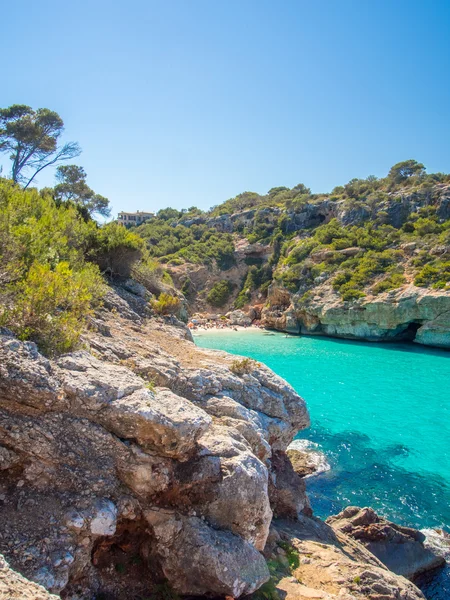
290 250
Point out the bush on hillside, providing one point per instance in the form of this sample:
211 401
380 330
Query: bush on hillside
391 282
49 282
117 249
243 366
436 275
51 306
166 304
152 275
220 293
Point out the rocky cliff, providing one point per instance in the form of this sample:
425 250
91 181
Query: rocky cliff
142 464
408 313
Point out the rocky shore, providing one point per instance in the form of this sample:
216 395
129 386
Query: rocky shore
408 313
143 464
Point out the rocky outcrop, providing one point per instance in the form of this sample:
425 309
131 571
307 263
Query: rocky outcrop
407 313
311 560
396 207
141 460
306 459
238 317
401 549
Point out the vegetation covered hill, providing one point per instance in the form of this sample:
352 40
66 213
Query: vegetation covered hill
365 237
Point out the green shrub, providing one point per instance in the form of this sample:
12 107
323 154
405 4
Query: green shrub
48 287
436 275
350 293
424 226
117 249
152 275
389 283
244 366
176 243
51 306
220 293
166 304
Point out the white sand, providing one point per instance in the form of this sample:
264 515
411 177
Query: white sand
237 329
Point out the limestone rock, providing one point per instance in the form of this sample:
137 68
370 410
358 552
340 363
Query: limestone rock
198 559
287 489
401 549
306 459
238 317
407 313
333 566
104 471
301 463
88 448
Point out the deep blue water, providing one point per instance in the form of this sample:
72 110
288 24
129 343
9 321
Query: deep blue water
380 413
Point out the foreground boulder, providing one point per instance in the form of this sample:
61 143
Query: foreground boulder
238 317
401 549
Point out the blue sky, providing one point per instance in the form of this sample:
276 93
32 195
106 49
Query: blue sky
181 103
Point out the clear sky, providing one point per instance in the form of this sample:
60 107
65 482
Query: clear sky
190 102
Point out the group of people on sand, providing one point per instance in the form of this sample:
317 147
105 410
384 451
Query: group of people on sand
212 325
205 323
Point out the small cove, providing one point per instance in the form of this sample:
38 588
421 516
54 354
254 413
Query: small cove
381 415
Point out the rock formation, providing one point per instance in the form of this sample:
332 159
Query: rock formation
311 560
142 461
407 313
401 549
13 586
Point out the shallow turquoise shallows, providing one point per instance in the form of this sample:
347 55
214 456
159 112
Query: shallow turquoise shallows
381 413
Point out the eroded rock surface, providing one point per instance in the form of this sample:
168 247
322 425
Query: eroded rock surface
407 313
329 565
401 549
14 586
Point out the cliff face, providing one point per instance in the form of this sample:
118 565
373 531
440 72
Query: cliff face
142 462
396 207
407 313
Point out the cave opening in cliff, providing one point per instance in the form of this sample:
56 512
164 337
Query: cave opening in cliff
409 334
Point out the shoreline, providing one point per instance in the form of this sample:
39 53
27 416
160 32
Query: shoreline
234 329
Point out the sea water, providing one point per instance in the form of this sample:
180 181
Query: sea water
381 415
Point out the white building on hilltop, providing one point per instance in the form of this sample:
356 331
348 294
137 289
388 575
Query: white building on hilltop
134 218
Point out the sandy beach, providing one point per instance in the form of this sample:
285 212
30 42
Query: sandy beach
230 330
219 330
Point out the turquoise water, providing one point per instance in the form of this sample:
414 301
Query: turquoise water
380 413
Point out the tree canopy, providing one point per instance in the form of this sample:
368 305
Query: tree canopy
72 187
32 139
405 169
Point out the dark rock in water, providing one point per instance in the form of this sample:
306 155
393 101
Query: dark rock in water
401 549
